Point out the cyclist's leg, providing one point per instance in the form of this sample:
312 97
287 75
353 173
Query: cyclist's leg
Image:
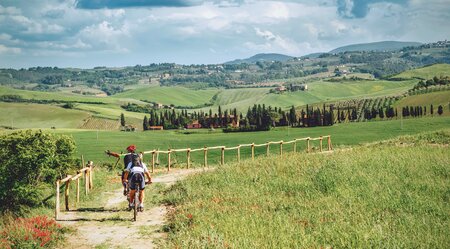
141 192
131 183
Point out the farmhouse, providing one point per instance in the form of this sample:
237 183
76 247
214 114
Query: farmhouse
128 128
156 128
195 125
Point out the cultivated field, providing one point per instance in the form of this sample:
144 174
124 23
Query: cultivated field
426 72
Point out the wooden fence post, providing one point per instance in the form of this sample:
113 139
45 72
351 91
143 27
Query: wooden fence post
153 161
253 151
222 158
82 161
78 187
205 154
239 153
321 143
66 194
168 159
86 181
307 145
91 174
267 149
57 201
188 157
329 142
281 148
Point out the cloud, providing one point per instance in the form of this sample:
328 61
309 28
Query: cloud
113 4
360 8
9 50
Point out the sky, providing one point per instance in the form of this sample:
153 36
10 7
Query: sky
115 33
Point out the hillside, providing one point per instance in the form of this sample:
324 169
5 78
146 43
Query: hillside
375 46
370 196
425 73
262 57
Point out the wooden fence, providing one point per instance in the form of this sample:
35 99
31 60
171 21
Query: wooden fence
205 150
86 173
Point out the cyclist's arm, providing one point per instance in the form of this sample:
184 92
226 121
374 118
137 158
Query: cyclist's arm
127 171
147 173
114 154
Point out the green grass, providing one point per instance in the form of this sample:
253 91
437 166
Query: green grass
178 96
380 196
20 115
426 72
357 89
92 143
434 98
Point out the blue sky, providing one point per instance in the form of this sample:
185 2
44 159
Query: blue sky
88 33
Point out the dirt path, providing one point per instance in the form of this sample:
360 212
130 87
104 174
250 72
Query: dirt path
111 226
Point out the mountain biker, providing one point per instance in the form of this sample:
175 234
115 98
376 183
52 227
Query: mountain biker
127 158
134 173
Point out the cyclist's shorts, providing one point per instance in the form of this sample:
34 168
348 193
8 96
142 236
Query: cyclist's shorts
137 178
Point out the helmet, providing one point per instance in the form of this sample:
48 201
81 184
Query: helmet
131 148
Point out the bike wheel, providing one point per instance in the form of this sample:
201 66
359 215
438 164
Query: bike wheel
136 202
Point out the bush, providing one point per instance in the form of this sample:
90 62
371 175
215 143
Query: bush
36 232
28 162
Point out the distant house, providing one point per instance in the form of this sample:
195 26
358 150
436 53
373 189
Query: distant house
280 89
156 128
165 76
157 105
195 125
128 128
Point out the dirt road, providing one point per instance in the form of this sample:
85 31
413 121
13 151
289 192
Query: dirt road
111 226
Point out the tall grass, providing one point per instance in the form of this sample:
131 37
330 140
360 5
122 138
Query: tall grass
375 196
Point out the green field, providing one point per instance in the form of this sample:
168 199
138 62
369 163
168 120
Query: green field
178 96
434 98
19 115
92 144
380 196
426 72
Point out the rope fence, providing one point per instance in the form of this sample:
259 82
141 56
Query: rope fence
86 173
155 153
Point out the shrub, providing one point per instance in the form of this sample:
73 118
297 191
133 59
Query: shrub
29 161
36 232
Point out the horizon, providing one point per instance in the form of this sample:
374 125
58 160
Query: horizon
86 34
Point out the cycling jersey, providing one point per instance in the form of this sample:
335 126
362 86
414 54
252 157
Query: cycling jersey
136 169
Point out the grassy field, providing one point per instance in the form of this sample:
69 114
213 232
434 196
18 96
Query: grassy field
178 96
92 144
434 98
381 196
426 72
21 115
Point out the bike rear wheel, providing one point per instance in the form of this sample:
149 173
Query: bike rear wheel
136 202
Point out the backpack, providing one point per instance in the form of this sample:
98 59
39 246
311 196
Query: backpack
128 159
136 161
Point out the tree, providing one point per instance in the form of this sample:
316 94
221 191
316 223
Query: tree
440 110
30 162
431 109
122 119
145 123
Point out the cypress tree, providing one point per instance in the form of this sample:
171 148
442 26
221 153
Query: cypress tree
145 123
122 119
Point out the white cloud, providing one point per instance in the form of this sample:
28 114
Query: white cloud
9 50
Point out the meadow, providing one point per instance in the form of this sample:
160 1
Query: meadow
382 195
92 144
426 72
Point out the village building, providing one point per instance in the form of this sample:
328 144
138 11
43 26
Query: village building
195 125
156 128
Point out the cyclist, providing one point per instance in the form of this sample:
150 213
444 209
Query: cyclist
134 173
127 158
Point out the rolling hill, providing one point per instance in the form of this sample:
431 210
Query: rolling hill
375 46
262 57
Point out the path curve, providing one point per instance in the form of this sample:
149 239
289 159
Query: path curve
111 226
